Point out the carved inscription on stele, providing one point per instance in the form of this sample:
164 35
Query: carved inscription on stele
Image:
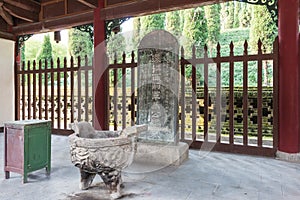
158 87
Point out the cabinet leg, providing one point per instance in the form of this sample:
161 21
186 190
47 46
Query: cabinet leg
25 178
48 170
7 175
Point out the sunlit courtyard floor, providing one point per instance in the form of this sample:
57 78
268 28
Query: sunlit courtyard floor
205 175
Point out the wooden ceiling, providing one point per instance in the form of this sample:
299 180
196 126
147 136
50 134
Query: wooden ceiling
21 17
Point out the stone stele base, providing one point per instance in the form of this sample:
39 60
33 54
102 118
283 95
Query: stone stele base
161 154
293 157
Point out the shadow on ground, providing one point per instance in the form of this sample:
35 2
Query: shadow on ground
96 192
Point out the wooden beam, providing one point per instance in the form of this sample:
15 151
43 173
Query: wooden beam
28 5
69 21
7 35
54 24
90 3
21 13
6 16
144 7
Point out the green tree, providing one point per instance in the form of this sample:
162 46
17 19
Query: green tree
212 15
59 51
33 50
80 44
223 15
116 45
46 53
264 28
237 9
136 32
181 24
230 15
173 23
194 29
245 15
152 22
194 33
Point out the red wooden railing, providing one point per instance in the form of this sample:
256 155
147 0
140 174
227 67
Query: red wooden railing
48 91
63 92
232 146
233 142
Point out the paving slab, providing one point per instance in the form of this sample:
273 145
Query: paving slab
205 175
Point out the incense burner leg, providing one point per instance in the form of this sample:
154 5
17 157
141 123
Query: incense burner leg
86 179
113 181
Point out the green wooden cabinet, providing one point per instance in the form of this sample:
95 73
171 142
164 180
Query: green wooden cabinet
27 147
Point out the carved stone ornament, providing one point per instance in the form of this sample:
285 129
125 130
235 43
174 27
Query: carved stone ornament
104 153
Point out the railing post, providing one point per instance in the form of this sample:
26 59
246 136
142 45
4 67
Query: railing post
245 94
275 94
218 95
72 89
194 93
182 103
259 95
206 95
231 95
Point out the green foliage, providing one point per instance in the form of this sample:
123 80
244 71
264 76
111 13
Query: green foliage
194 30
229 15
223 15
136 32
152 22
199 74
110 25
194 33
172 23
59 51
237 9
237 36
32 50
116 45
262 27
200 28
46 53
245 15
35 50
212 15
181 22
80 44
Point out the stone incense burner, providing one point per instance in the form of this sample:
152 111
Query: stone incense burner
104 153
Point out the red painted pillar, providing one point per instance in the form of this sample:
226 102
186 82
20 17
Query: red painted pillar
100 74
289 88
18 53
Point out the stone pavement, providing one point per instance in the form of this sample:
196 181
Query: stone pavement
205 175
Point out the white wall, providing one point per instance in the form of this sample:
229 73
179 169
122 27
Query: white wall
6 81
